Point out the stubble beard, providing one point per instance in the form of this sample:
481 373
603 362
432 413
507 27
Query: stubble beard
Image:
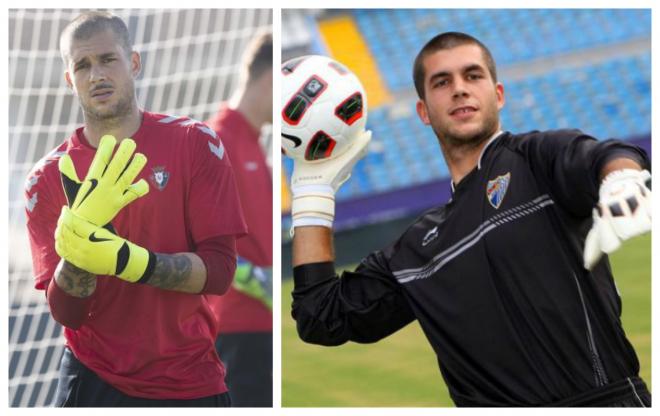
457 141
112 116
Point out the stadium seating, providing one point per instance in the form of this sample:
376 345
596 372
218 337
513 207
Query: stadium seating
395 36
610 98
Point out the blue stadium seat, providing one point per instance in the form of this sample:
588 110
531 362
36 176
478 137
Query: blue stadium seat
573 98
608 99
508 33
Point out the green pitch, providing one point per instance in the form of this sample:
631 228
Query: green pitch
402 370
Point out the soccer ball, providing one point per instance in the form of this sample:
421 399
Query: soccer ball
323 108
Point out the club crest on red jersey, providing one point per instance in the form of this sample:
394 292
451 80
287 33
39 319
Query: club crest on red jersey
496 189
159 177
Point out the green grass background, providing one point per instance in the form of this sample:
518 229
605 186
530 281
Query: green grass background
402 370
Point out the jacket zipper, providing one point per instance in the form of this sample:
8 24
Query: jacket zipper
599 370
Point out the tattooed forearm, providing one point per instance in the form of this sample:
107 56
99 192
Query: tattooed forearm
173 272
75 281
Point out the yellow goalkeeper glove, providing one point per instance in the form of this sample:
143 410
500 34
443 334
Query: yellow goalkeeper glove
108 186
254 281
98 251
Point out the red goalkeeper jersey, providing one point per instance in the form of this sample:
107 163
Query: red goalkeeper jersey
238 312
148 342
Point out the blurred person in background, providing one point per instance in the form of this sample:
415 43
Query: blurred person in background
509 280
245 340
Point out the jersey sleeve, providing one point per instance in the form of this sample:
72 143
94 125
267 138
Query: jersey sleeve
214 208
570 162
42 211
363 306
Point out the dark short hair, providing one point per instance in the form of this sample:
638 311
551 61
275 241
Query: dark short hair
448 40
258 57
90 23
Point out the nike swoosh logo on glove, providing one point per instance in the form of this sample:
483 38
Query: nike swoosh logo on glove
94 239
94 182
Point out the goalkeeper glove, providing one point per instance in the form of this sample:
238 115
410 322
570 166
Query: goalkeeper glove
254 281
108 186
623 212
99 251
314 184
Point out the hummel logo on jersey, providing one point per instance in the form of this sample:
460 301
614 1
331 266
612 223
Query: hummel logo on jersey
496 189
94 239
159 177
30 204
31 182
217 150
205 129
430 236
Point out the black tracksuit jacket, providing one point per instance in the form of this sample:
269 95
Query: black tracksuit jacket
496 279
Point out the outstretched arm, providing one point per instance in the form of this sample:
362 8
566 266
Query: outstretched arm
619 164
623 210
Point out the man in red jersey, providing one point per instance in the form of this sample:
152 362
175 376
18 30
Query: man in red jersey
245 343
148 343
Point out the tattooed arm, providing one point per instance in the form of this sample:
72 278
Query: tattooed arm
182 272
70 294
74 281
209 270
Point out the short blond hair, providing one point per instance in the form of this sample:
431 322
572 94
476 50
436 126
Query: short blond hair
90 23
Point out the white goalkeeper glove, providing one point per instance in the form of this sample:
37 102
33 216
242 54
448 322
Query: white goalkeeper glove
623 212
314 184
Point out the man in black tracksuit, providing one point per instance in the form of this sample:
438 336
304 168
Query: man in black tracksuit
496 276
